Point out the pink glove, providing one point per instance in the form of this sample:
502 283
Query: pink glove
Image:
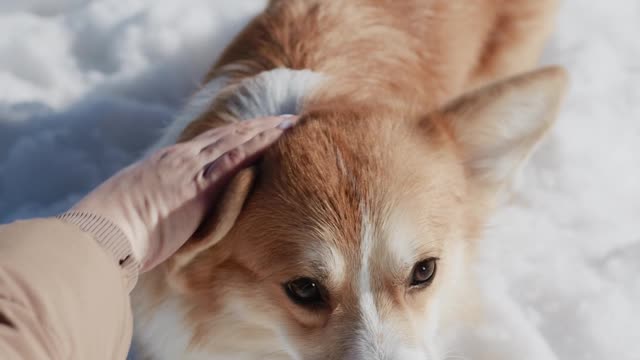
160 201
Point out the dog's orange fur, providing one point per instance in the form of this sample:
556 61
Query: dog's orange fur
409 53
374 135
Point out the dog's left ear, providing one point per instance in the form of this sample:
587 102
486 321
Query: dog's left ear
217 224
497 127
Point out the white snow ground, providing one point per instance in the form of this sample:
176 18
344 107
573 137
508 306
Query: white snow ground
86 85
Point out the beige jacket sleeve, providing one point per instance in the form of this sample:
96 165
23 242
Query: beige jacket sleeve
64 289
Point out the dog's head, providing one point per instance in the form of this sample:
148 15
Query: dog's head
344 241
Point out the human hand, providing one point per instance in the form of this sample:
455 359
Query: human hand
160 201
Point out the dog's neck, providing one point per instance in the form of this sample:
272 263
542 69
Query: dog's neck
270 93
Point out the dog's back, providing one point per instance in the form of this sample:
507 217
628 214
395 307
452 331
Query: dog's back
416 53
314 252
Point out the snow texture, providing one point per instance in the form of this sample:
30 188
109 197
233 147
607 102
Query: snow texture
86 86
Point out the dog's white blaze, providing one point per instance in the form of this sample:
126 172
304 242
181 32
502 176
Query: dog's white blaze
372 341
375 339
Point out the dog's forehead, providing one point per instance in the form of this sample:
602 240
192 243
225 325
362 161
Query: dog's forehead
321 176
339 189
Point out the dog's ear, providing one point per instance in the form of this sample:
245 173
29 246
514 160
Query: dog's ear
497 127
215 227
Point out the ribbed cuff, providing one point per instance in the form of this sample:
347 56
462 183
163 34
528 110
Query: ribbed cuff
110 238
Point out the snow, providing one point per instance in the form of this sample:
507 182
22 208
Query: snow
86 86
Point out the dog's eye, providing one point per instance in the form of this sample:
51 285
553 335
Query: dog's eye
423 273
305 292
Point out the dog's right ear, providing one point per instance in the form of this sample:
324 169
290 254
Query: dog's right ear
217 224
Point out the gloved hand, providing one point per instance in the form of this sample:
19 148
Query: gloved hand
160 201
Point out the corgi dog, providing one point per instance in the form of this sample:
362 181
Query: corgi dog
352 237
